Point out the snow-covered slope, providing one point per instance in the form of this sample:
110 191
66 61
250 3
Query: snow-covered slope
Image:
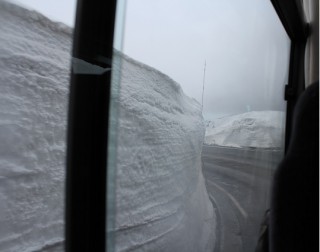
258 129
161 200
162 203
34 63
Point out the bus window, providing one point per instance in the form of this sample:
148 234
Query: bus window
208 72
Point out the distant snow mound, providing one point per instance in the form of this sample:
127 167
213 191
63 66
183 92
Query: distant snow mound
257 129
161 200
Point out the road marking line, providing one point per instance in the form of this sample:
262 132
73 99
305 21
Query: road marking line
235 202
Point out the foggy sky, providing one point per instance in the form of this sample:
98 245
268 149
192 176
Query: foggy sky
243 43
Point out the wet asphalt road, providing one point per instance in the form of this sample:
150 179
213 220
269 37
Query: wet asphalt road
238 182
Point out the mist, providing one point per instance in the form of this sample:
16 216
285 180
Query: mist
244 44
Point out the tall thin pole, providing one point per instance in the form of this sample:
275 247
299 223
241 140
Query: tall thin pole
204 76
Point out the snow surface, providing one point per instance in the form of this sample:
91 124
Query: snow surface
161 199
256 129
162 203
34 63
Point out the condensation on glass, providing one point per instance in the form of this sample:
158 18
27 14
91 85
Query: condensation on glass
34 82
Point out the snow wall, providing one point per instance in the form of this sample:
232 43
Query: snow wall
161 200
34 75
162 203
256 129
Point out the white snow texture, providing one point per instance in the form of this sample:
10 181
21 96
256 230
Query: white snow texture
161 199
162 203
256 129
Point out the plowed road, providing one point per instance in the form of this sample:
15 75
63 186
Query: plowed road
238 182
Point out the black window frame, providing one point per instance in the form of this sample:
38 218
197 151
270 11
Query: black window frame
88 118
291 14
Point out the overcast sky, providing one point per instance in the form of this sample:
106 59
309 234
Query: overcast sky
243 43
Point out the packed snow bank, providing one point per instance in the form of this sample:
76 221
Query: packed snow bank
162 203
161 200
257 129
34 63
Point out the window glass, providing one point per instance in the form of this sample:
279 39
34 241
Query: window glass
35 46
199 123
